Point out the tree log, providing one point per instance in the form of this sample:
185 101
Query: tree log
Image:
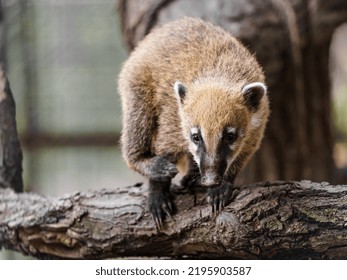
280 220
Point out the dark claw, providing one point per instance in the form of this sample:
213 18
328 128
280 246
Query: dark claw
160 203
160 220
157 223
213 199
170 206
218 198
167 208
156 217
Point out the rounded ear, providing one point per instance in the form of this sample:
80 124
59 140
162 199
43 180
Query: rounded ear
253 93
180 91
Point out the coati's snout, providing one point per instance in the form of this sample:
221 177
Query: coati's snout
211 180
212 169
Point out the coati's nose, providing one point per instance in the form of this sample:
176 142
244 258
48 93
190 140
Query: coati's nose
211 180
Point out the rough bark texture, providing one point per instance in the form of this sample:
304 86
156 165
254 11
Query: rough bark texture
10 150
291 39
281 220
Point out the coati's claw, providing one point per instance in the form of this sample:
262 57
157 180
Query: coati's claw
218 198
157 221
213 199
160 205
167 208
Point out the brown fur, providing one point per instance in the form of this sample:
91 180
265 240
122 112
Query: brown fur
214 67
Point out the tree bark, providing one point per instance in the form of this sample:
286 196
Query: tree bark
291 39
10 149
281 220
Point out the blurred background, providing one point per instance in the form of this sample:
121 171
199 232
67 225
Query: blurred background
62 58
338 71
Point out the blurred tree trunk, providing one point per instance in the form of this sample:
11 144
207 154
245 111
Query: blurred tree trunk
291 39
10 149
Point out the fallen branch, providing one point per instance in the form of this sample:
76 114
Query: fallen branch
280 220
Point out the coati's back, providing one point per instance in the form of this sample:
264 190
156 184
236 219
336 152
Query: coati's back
185 50
219 94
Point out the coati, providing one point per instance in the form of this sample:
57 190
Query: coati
191 90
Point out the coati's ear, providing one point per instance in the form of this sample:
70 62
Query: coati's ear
253 93
180 91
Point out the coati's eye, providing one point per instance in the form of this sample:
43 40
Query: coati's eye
230 135
195 135
196 138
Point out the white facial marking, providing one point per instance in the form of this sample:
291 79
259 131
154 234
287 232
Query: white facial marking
193 147
176 87
204 138
194 130
231 129
232 147
197 159
251 85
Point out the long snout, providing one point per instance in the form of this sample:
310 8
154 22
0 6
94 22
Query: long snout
212 171
211 179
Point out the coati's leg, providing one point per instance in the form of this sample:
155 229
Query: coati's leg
139 128
160 171
192 178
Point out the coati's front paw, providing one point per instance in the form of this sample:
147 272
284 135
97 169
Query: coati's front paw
162 169
160 204
218 198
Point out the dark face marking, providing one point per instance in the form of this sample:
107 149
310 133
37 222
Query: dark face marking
213 166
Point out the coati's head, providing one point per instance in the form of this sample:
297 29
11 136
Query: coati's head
216 120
